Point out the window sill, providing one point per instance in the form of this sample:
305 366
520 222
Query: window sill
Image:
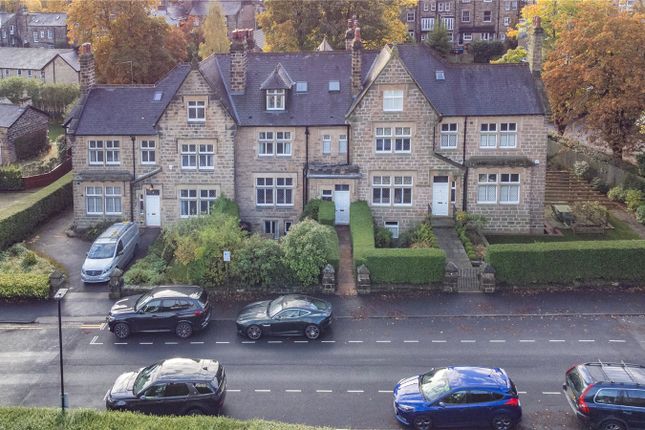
487 203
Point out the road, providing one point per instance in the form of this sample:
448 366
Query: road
343 380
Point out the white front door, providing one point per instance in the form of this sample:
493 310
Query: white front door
341 201
440 196
153 208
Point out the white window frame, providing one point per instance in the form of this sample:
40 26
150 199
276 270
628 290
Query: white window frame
448 23
188 156
95 153
273 228
196 110
384 186
206 156
188 197
266 144
507 21
113 197
465 13
449 135
282 143
447 7
488 135
342 144
148 152
490 16
112 153
284 188
410 16
266 185
275 99
468 37
426 6
440 7
384 138
486 36
50 34
208 196
509 183
35 36
487 182
508 135
393 227
433 6
400 185
326 144
327 194
402 138
95 194
427 24
392 100
275 143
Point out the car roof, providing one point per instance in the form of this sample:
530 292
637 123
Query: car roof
168 291
616 373
182 369
299 301
477 377
114 231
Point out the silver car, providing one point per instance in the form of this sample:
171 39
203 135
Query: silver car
114 248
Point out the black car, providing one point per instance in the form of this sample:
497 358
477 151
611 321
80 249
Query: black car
607 396
178 386
290 315
182 309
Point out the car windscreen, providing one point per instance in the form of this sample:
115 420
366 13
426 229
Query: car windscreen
434 384
321 305
101 250
142 301
275 306
203 298
144 378
576 382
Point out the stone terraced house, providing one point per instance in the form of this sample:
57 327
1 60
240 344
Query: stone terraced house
401 129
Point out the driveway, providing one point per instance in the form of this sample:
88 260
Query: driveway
91 299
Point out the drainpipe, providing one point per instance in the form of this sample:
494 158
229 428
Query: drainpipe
134 177
305 181
348 145
463 161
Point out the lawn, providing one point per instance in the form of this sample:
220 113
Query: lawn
621 231
55 130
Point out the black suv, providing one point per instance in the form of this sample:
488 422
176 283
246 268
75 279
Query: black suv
182 309
607 396
178 386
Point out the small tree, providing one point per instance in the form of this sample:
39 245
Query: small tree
305 250
215 33
511 56
439 40
484 51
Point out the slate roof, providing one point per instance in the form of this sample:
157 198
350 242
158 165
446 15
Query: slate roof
9 114
317 106
472 89
53 19
31 58
71 58
127 109
279 79
5 16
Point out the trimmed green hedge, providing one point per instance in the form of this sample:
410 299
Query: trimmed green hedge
568 261
10 178
327 213
333 253
391 265
16 418
24 286
18 221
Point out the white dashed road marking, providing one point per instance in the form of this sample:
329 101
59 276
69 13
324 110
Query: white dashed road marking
274 341
410 341
617 340
327 341
557 340
222 343
468 341
170 343
228 390
120 343
145 343
355 391
354 341
439 341
497 341
324 391
293 391
586 340
383 341
300 341
385 391
527 340
551 393
262 391
200 343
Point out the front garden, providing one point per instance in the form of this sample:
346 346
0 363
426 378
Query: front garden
191 252
24 274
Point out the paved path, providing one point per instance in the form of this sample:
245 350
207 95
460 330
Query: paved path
468 281
346 280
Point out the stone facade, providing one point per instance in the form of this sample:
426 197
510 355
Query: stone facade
419 162
30 126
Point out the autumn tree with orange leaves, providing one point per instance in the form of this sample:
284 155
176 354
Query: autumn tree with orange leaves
596 71
129 45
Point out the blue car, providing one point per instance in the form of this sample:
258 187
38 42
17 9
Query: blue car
458 397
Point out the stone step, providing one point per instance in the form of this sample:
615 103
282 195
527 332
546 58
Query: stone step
442 221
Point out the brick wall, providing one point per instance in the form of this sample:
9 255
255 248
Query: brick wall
4 147
31 126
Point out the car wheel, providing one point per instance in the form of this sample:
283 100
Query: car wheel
612 425
422 423
184 330
122 330
312 332
254 332
503 422
194 411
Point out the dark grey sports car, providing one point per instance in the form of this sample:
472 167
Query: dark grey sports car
290 315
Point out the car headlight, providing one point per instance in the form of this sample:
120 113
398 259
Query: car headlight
405 408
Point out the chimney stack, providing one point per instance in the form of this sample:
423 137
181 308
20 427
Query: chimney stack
87 77
239 59
357 48
349 35
536 40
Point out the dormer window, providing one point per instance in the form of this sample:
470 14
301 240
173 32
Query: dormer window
275 99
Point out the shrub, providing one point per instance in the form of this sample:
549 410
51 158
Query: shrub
225 206
150 270
485 51
590 213
306 249
470 220
24 286
420 236
466 242
259 261
382 237
19 418
568 261
640 158
31 145
598 185
633 199
28 260
640 214
617 194
10 178
327 213
19 221
582 170
311 210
